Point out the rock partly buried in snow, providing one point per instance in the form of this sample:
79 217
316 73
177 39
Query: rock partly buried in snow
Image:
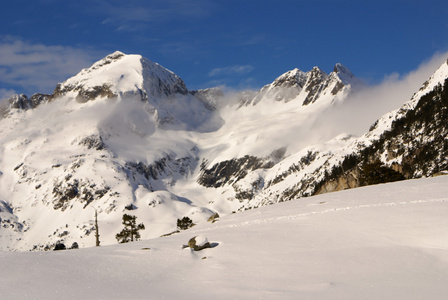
213 218
198 243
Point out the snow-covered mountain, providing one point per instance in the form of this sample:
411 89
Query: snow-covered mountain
127 136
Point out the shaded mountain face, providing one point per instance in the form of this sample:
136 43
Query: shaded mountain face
127 136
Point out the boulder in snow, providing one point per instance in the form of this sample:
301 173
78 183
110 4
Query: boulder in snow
198 243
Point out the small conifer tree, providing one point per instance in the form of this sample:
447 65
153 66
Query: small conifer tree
97 233
184 223
130 231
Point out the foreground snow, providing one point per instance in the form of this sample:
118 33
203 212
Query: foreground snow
379 242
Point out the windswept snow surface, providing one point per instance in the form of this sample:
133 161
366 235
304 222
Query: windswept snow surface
387 241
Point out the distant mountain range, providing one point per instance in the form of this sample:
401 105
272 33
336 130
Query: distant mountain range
127 136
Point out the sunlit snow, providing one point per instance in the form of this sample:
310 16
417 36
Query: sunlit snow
387 241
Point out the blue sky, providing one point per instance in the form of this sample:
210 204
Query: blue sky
240 44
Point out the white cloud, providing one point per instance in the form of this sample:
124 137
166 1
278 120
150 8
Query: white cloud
30 67
231 70
356 114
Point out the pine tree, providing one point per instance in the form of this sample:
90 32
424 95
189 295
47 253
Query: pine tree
185 223
130 231
97 233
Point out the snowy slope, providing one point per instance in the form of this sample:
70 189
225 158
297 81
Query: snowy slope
379 242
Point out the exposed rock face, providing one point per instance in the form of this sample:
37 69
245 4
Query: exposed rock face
348 180
163 168
38 99
22 102
93 141
315 84
19 101
88 94
83 190
230 171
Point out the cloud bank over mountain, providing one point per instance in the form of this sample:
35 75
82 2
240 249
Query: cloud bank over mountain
359 111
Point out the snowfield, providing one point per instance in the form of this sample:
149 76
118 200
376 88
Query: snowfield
387 241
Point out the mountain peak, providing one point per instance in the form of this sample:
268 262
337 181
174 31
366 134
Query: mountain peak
317 74
342 74
316 69
339 68
120 74
291 78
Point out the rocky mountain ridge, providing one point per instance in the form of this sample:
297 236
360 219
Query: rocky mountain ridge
306 87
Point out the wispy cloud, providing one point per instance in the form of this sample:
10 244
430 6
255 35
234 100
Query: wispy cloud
6 93
29 67
231 70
